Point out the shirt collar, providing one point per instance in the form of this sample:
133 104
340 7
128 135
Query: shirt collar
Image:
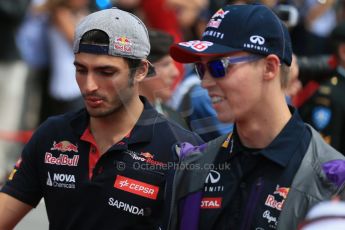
142 131
286 143
281 148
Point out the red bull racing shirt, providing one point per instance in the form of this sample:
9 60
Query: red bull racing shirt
248 187
128 187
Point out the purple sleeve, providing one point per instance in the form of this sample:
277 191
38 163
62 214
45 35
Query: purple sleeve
335 171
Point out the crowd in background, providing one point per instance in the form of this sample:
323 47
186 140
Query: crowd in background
37 72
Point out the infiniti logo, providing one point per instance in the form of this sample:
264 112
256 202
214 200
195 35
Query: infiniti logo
213 177
257 39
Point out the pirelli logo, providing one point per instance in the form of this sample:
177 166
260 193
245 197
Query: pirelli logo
136 187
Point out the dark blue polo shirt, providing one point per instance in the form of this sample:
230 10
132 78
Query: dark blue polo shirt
128 187
249 187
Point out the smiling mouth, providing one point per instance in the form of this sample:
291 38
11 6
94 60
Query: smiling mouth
216 100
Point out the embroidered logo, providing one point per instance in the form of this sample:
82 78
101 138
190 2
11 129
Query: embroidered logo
64 146
256 43
62 159
215 23
60 180
257 40
271 200
282 191
213 177
123 44
197 45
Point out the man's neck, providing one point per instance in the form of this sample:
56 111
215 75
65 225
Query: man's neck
260 130
111 129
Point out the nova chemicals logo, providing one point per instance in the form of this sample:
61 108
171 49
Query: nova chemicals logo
61 180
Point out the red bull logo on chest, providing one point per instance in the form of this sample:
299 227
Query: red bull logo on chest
276 202
64 146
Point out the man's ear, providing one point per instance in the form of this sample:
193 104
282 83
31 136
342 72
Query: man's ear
272 67
141 71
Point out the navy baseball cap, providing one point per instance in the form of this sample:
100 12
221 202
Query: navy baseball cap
252 28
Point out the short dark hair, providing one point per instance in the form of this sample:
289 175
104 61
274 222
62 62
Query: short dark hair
98 37
160 42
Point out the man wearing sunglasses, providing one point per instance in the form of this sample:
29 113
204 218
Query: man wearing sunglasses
273 167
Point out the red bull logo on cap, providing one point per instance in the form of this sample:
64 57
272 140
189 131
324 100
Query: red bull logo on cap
123 44
220 13
64 146
215 23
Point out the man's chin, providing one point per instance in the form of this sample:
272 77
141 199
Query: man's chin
97 113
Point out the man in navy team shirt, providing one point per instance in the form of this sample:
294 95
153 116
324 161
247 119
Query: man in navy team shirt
109 165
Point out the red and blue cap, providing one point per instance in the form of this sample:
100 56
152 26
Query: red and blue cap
252 28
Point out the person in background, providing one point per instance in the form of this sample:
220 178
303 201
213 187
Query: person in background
325 109
273 167
107 164
63 92
158 88
13 78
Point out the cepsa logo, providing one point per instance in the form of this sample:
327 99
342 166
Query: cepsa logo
136 187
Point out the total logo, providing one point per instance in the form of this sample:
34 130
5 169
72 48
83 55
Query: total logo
136 187
271 199
213 178
60 180
211 202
